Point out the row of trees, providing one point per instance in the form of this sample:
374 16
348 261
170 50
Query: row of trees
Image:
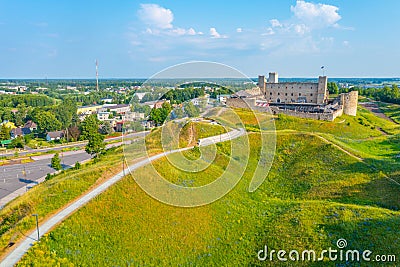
158 116
26 99
181 95
389 94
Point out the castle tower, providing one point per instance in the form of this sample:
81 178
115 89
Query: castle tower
322 90
261 83
273 77
349 102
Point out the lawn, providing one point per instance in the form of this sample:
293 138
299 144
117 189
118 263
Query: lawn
313 195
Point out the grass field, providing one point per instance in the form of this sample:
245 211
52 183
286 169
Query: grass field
313 195
391 110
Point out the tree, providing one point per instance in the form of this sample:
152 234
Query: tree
46 121
56 162
73 133
333 88
89 127
106 128
18 142
4 132
191 110
20 115
395 91
96 145
65 112
159 115
136 126
178 112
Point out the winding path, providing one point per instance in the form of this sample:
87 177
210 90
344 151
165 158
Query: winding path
14 256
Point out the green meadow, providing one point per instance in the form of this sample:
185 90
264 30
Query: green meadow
313 195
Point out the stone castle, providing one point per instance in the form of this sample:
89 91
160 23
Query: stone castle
300 99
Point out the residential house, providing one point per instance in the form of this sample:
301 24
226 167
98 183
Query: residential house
16 132
53 136
30 125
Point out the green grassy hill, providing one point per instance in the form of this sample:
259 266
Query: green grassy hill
314 195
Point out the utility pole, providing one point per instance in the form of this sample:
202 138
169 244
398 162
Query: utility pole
123 165
37 225
97 75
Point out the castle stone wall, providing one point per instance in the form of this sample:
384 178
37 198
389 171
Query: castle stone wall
350 102
306 115
247 103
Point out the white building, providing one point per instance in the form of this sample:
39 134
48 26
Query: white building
103 116
140 95
117 108
222 98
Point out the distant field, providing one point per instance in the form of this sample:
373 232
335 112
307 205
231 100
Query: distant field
313 195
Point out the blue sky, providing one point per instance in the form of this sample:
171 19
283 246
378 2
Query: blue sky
132 39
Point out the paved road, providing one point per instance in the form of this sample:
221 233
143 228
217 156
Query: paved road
13 177
17 179
14 256
60 147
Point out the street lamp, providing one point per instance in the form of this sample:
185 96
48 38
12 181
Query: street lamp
37 225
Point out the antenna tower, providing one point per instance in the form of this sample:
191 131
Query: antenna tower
97 75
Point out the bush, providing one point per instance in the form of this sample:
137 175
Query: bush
48 177
77 166
56 162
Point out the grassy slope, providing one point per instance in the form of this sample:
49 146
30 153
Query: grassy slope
46 198
313 195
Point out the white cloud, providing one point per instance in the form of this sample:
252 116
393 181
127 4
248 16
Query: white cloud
191 31
316 15
179 31
156 16
269 31
301 29
239 30
215 34
275 23
159 21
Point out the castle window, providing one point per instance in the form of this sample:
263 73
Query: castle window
310 94
270 93
300 87
279 93
292 94
285 94
299 94
286 87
